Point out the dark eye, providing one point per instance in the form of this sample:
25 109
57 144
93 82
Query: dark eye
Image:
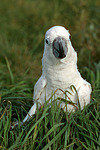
46 41
70 37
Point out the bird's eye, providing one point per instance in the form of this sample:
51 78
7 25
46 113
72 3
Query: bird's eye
46 41
70 37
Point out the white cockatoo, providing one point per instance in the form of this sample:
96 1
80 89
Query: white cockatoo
59 71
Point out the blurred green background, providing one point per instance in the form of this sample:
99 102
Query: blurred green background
23 24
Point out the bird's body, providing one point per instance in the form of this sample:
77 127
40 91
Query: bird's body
59 71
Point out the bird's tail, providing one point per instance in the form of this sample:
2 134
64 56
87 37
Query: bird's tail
30 113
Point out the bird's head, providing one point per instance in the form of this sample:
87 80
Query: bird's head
57 44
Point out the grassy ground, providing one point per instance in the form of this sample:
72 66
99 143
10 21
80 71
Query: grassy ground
22 28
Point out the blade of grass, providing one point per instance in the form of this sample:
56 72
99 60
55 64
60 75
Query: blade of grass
55 138
34 127
10 71
17 143
49 132
90 138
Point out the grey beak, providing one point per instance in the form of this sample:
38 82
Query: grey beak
60 47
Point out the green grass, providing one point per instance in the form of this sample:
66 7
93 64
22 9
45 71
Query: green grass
50 128
22 28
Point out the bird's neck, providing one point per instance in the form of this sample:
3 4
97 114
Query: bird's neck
65 72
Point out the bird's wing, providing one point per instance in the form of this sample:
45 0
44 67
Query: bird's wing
39 87
84 94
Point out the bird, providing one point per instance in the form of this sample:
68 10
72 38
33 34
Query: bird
60 74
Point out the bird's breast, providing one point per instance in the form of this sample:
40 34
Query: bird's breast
61 78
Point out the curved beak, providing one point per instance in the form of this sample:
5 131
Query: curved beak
60 47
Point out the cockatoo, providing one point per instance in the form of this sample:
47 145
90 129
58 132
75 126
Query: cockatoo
59 73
